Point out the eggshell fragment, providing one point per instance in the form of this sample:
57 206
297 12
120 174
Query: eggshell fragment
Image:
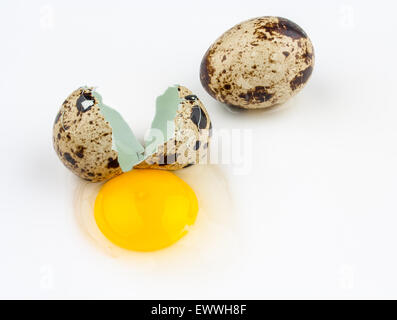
96 144
258 63
190 143
83 139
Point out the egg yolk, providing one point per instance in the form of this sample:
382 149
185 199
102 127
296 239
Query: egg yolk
145 210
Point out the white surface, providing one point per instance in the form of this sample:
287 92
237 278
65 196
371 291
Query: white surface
317 211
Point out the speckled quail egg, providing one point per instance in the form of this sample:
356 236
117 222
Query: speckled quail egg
258 63
190 142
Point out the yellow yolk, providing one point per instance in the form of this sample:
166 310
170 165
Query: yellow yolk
145 210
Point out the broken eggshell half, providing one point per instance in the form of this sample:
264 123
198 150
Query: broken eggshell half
95 142
187 131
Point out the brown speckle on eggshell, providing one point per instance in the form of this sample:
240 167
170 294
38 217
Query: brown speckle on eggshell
258 63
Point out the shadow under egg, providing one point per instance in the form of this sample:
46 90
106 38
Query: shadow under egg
244 112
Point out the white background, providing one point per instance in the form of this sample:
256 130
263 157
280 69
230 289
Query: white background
317 211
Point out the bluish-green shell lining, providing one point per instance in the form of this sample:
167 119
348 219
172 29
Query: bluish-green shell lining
130 150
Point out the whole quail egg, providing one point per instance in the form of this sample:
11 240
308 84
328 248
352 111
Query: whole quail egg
258 63
92 139
191 128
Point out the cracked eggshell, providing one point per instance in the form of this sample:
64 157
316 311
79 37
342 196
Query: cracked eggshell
83 139
258 63
190 144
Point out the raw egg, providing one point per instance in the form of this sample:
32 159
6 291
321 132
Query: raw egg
208 239
145 210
